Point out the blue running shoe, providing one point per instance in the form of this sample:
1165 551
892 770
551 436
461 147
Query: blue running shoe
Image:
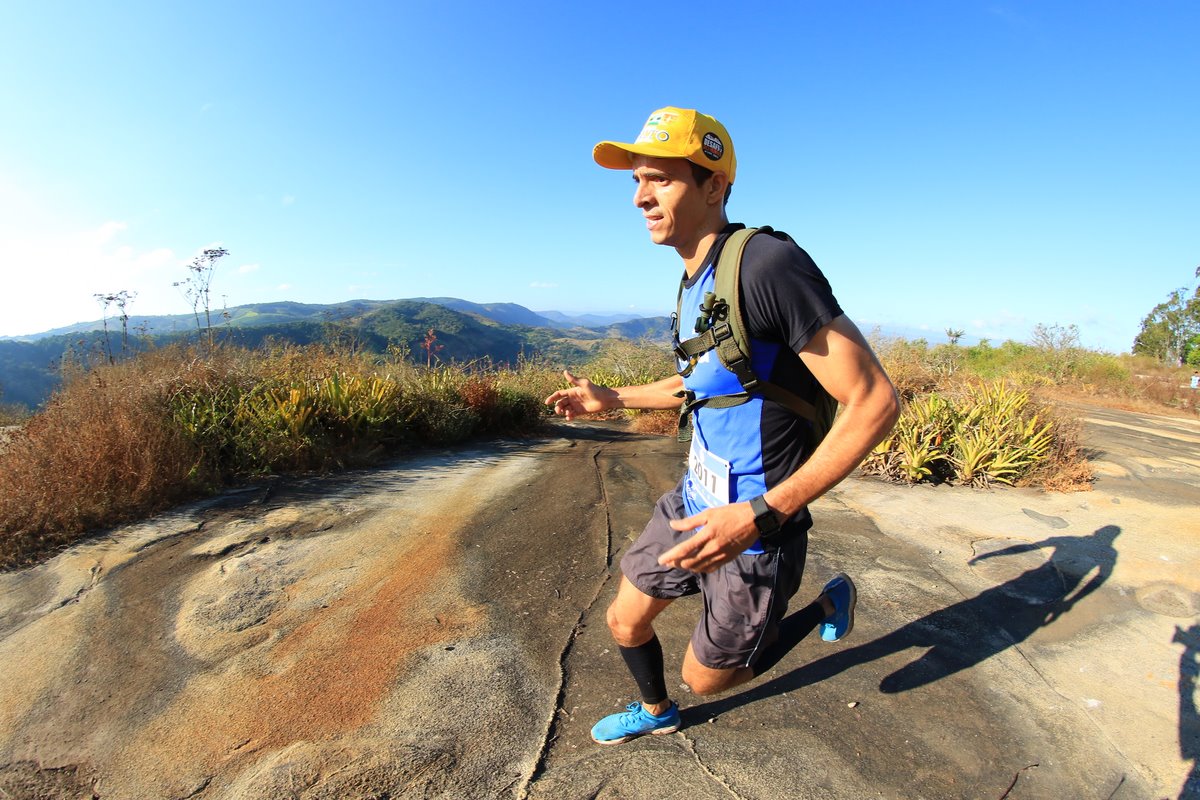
844 596
634 721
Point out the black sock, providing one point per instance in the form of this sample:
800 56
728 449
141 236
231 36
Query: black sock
646 663
791 630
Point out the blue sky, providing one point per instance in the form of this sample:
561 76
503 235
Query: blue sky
976 165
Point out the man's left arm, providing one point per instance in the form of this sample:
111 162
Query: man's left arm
840 358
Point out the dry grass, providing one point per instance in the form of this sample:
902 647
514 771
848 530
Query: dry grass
656 423
1066 468
101 452
12 414
1178 404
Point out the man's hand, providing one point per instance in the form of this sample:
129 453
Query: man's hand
584 397
725 531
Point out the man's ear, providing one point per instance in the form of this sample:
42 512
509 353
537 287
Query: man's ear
715 189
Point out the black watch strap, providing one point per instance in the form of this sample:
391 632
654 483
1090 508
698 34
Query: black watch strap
765 519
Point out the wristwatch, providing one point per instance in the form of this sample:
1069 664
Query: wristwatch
766 521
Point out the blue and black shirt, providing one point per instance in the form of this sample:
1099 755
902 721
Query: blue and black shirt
742 451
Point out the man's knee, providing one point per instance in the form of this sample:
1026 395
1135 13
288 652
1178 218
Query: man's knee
704 680
628 629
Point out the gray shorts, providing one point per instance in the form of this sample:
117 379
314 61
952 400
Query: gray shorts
743 600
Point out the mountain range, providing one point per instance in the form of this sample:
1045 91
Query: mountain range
284 312
465 331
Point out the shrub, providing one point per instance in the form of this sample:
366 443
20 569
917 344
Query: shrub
907 364
623 363
988 433
1065 468
102 451
619 362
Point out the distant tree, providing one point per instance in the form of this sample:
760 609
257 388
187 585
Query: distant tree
953 335
1059 346
121 300
197 287
1055 337
1170 329
1192 359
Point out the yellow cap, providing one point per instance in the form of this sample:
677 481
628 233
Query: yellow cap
675 133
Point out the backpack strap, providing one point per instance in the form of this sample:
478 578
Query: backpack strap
732 343
718 305
728 336
722 327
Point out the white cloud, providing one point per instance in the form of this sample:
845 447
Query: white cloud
284 287
542 285
246 269
53 276
287 200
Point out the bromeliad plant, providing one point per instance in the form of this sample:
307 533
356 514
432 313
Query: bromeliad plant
989 434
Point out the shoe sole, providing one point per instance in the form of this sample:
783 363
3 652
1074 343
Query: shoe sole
623 739
853 602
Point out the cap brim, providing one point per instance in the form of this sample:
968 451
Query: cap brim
618 155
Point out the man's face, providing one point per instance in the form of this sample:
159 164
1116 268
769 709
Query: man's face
674 207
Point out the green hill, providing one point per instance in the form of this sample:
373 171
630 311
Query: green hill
31 368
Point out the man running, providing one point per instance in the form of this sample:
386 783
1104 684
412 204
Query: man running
735 529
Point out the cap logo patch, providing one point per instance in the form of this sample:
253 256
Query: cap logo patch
652 134
712 146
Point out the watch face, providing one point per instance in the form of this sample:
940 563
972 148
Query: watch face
764 518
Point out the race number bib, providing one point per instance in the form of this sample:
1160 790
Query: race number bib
708 475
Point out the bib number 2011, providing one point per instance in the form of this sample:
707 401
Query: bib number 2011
709 476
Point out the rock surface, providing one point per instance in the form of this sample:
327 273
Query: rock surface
436 629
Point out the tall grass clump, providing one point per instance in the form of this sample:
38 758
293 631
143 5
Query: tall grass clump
103 450
316 408
124 440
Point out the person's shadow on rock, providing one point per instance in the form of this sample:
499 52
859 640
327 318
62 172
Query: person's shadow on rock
1189 717
968 632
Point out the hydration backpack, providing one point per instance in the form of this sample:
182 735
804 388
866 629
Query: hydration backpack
722 327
